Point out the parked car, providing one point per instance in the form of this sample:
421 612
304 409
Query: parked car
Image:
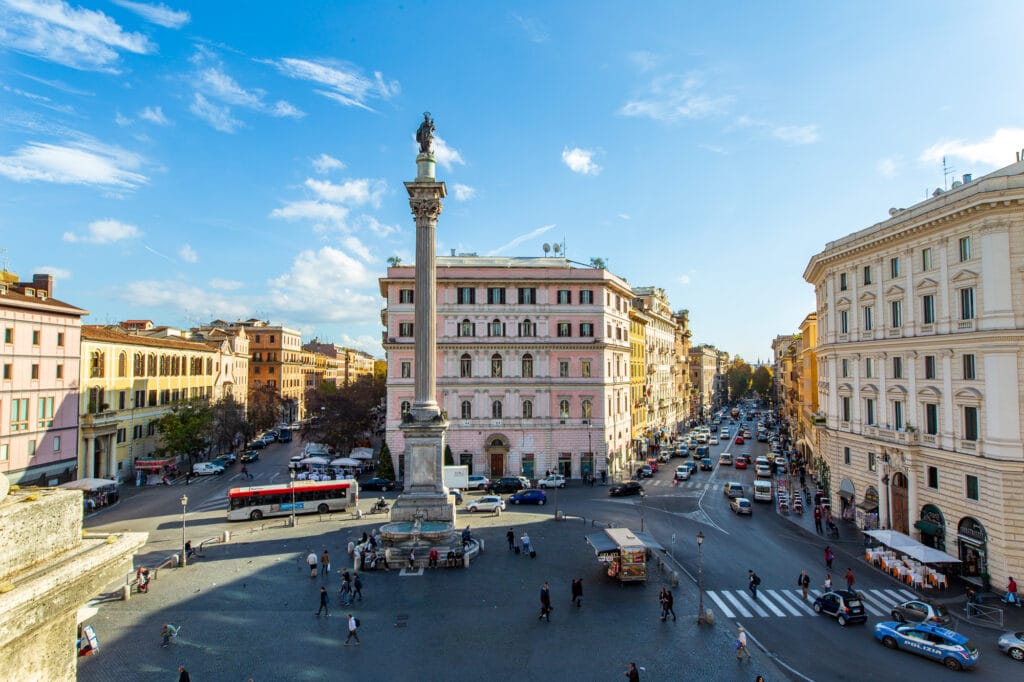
952 649
844 605
741 505
284 436
1012 643
922 611
478 482
733 489
382 484
683 473
207 469
507 484
250 456
529 496
627 488
257 444
486 503
552 481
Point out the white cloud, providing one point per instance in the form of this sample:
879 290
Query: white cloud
625 216
218 117
887 167
214 82
673 97
807 134
188 254
645 60
535 30
464 192
190 300
356 192
54 31
282 109
161 14
225 284
370 223
533 234
345 82
366 343
580 161
81 162
104 232
445 155
357 247
325 163
996 150
322 213
685 279
154 115
53 270
122 120
325 285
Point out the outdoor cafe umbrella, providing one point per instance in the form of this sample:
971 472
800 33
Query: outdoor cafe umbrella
88 484
313 460
361 453
345 462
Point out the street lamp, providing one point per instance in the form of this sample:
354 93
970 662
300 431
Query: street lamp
642 496
590 449
184 554
291 474
700 577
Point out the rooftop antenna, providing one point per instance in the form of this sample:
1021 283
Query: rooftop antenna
947 170
3 258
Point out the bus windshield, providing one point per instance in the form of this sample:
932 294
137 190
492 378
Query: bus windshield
302 497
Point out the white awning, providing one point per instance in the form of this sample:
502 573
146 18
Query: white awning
911 547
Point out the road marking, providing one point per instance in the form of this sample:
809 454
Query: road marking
781 597
895 595
872 609
799 602
725 609
752 603
766 599
739 606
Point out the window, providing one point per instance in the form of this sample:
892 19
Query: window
527 366
60 339
869 314
869 411
496 328
465 366
56 443
8 335
929 367
563 409
405 328
842 281
35 337
151 398
965 249
496 409
846 455
405 407
844 321
467 410
931 418
35 372
969 371
527 328
5 452
122 397
926 259
586 296
140 398
564 296
466 295
19 414
585 368
496 365
928 308
872 463
60 371
44 417
563 368
406 369
846 408
588 409
32 448
967 303
96 362
527 409
465 328
869 367
972 487
970 423
897 414
896 313
564 329
867 274
894 267
845 368
405 296
495 295
121 434
586 328
527 295
897 368
933 477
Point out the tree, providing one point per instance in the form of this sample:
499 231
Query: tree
394 261
385 467
598 263
264 406
761 383
229 425
185 429
738 379
449 459
344 416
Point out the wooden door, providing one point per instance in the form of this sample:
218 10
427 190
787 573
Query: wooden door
900 521
497 464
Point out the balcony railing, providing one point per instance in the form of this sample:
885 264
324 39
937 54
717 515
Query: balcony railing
891 435
928 439
965 325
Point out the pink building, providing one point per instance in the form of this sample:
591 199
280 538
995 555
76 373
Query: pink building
39 360
532 364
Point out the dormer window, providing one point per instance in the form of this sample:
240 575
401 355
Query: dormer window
30 292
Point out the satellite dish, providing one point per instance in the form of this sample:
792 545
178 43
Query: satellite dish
557 247
547 248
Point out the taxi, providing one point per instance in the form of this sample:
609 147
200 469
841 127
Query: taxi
952 649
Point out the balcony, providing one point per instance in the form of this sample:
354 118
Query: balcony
894 332
906 438
965 325
929 439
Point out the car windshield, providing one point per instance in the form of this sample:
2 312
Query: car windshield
853 603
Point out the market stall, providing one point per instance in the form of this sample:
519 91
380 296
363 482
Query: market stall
623 552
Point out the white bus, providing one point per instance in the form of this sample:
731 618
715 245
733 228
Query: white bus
304 497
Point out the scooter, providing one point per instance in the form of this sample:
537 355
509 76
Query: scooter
380 508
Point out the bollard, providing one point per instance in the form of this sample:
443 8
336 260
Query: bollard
497 511
225 536
126 592
480 543
465 561
709 617
351 548
675 579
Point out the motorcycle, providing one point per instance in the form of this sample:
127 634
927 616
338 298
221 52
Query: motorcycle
381 507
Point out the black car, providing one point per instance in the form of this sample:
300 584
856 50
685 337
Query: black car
382 484
627 488
285 436
250 456
846 606
257 444
509 484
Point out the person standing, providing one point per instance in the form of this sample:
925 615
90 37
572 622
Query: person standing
803 581
577 592
817 519
829 556
325 563
311 561
669 601
662 602
545 603
849 579
752 582
526 543
353 627
741 644
511 537
183 675
323 602
632 674
828 582
357 587
345 593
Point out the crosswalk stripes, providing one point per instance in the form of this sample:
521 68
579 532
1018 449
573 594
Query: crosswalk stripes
790 603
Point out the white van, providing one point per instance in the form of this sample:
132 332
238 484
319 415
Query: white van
762 491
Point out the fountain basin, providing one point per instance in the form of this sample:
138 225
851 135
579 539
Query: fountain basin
430 531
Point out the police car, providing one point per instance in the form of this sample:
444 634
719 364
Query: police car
952 649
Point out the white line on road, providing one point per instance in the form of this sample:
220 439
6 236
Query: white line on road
725 609
767 599
739 607
799 602
749 601
781 596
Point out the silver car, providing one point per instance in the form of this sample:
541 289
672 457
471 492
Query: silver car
1012 643
486 503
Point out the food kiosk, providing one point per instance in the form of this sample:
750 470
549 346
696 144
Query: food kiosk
623 552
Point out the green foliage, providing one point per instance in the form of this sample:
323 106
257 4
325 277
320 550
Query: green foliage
394 261
761 382
186 428
343 416
598 263
385 467
449 458
738 379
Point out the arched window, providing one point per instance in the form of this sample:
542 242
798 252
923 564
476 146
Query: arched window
165 365
97 360
175 366
465 365
496 365
467 409
527 409
496 328
563 409
405 407
588 409
209 366
122 364
140 365
465 328
151 365
496 409
527 328
528 366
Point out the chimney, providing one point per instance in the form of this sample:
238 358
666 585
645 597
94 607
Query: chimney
967 178
44 283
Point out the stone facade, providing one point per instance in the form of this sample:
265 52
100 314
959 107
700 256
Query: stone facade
663 402
921 368
703 363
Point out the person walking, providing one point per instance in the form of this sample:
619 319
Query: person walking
511 537
353 627
345 593
545 603
357 587
669 601
829 556
827 587
752 582
803 581
817 519
577 592
311 561
849 579
662 602
325 564
632 674
183 675
323 602
741 644
526 543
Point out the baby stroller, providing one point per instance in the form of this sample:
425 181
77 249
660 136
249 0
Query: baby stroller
833 530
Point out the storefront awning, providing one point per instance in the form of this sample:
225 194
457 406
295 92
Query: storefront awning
911 547
868 506
846 493
153 464
603 544
928 528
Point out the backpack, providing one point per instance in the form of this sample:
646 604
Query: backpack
358 623
757 580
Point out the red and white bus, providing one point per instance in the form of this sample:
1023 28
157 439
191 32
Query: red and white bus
302 497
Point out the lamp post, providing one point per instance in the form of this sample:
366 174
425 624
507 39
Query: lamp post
590 449
700 577
291 474
642 496
184 554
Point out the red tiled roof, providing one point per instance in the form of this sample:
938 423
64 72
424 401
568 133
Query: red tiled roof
95 332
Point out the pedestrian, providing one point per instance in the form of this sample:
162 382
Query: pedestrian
752 582
803 581
829 556
577 592
311 561
662 601
511 537
526 542
345 593
632 674
167 632
828 582
545 603
412 558
817 519
669 601
183 675
353 626
741 644
849 579
432 557
325 564
188 477
357 587
324 600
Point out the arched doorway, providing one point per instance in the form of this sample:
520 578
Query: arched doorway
847 495
933 527
867 510
497 451
898 503
973 545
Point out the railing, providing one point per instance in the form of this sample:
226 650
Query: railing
926 329
965 325
928 439
891 435
980 612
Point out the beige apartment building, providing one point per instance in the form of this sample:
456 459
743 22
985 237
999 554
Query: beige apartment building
920 323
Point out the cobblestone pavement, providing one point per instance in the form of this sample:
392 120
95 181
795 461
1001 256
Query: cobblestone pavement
246 610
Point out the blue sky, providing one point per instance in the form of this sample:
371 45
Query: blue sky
187 161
